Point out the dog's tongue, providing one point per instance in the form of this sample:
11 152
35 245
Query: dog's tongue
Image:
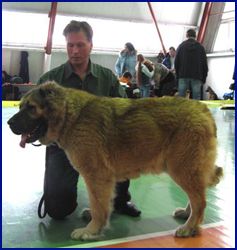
23 140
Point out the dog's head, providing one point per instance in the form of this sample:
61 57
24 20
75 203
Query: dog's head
209 89
40 114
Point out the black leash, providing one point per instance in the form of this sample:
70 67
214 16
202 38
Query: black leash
40 208
42 200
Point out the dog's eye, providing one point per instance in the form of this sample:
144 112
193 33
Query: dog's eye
31 107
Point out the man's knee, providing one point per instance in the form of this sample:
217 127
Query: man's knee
60 185
59 207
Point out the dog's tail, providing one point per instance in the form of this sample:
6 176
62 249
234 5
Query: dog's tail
218 174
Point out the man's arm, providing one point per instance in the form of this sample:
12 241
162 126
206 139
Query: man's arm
138 74
176 62
205 66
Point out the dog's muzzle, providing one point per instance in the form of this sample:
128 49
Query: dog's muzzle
30 131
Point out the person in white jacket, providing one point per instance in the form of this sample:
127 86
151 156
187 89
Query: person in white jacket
144 74
154 74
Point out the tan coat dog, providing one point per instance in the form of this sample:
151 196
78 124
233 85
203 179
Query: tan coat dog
105 139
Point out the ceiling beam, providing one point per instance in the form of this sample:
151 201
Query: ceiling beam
212 26
204 22
157 28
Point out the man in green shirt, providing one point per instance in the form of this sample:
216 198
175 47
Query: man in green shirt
60 184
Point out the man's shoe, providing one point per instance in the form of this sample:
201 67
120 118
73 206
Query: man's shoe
129 209
86 214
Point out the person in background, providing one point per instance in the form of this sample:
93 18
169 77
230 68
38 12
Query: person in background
169 59
9 91
191 66
6 78
126 60
164 81
169 63
160 57
60 183
132 90
144 73
126 79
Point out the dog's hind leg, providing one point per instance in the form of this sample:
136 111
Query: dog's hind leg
100 195
191 167
194 186
195 209
191 226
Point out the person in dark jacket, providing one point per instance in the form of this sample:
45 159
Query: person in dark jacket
169 59
191 66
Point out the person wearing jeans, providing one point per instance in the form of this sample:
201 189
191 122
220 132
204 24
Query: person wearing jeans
191 66
190 84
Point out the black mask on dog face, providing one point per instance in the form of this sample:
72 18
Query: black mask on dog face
30 127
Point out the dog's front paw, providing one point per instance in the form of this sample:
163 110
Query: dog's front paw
83 234
184 231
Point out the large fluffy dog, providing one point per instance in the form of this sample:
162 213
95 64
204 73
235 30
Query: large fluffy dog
105 140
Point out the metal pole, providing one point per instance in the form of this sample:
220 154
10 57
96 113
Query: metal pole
158 31
52 15
204 22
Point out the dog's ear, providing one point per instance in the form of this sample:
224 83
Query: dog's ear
45 92
49 89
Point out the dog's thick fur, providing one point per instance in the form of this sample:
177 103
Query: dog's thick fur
112 139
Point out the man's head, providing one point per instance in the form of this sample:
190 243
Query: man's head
172 52
79 42
191 33
127 75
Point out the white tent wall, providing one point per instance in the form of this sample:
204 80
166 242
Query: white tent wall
220 74
219 77
11 63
